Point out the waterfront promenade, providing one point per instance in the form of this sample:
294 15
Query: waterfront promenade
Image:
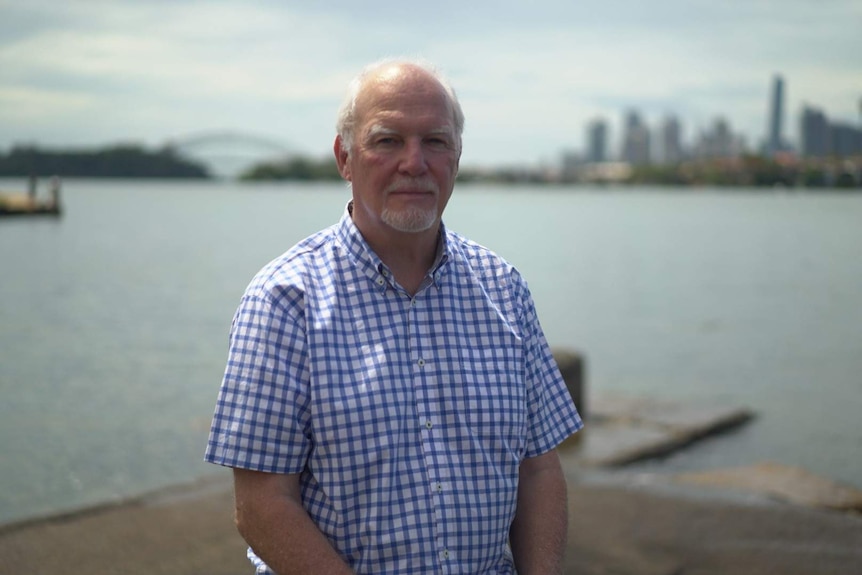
765 518
620 523
613 529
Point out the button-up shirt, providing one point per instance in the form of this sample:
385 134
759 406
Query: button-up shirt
406 416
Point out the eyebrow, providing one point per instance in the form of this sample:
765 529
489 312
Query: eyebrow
380 130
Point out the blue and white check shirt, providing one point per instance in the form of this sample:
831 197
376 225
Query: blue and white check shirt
407 417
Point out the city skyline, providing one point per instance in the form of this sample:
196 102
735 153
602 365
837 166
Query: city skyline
664 142
530 78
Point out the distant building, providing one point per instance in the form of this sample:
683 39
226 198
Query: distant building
815 133
719 142
846 140
775 139
570 165
671 141
636 141
822 138
597 141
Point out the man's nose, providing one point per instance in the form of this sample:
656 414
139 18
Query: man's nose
413 160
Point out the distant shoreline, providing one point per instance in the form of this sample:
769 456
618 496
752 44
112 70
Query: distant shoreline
747 170
462 184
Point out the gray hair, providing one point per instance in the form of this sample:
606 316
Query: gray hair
346 120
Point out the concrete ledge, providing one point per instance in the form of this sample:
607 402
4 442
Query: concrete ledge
791 484
623 429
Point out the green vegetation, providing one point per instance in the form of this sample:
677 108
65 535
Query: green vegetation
296 168
124 161
757 172
747 171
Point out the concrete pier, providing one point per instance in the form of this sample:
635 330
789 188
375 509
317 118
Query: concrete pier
622 429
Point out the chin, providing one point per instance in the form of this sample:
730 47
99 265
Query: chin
409 221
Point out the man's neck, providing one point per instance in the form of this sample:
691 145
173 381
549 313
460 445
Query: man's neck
408 256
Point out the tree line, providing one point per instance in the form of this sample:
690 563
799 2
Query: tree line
121 161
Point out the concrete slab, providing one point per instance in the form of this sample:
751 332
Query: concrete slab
679 417
615 444
626 429
784 482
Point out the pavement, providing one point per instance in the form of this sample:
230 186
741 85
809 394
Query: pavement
616 528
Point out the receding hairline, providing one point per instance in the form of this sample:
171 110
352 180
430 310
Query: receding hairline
396 68
395 80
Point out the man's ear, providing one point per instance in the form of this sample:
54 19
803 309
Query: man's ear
341 155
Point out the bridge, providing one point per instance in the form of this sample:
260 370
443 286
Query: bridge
226 154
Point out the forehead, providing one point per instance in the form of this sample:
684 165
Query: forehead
402 99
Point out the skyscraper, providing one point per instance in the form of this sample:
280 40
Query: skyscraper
636 141
671 141
822 137
719 141
597 141
776 117
815 133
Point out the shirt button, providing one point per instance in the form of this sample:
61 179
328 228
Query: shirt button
439 487
428 424
421 362
380 281
444 554
412 302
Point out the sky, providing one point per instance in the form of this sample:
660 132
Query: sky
530 75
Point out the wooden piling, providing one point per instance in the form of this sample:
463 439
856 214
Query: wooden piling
571 364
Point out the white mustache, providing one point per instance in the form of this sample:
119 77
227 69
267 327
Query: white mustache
421 184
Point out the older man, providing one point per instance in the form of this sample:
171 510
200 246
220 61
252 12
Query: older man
390 403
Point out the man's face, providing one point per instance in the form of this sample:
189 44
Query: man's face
405 153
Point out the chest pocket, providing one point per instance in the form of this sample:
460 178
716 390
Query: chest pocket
494 396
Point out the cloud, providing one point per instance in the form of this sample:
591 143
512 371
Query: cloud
530 76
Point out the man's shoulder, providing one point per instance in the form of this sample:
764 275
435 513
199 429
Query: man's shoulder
291 267
485 265
475 254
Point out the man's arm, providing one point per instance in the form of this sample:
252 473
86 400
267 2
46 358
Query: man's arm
271 519
538 533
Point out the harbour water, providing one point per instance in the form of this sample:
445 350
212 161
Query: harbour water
114 318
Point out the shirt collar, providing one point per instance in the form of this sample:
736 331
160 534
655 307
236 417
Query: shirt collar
370 263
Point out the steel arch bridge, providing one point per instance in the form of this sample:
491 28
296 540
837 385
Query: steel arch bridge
226 154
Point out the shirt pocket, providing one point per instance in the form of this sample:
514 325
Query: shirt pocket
494 397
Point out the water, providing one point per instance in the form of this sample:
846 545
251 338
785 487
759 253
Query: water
114 319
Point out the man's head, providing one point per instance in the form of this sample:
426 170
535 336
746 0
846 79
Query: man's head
346 120
399 144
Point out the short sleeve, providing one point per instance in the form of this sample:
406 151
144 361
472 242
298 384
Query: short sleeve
261 419
551 412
